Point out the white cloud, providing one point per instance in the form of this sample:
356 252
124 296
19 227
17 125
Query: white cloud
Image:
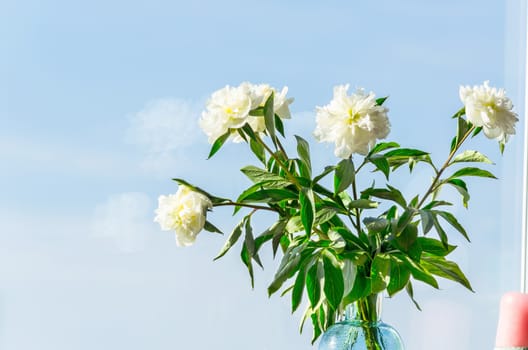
164 129
126 219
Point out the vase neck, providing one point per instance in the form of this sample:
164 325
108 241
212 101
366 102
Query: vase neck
365 310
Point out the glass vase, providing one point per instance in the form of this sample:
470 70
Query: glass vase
362 329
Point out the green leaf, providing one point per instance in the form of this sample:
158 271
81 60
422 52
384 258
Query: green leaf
247 192
337 243
427 220
391 194
412 162
352 239
405 219
323 215
327 170
441 233
462 130
242 134
451 219
232 239
258 175
382 146
434 204
289 264
261 239
272 165
399 276
446 269
344 198
363 204
407 238
313 283
330 317
382 164
304 171
294 224
329 203
434 246
472 172
344 175
380 272
459 113
269 117
276 228
258 150
414 202
248 130
284 242
471 156
307 312
276 231
476 131
257 112
270 196
212 228
398 196
279 125
303 150
306 200
391 213
379 101
418 272
335 201
219 142
375 225
461 187
246 259
349 273
410 292
356 258
317 331
453 144
250 243
333 282
360 289
298 288
405 152
286 290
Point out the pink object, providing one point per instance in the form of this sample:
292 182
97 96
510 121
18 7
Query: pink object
512 330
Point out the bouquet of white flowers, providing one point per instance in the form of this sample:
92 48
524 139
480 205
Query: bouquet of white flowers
340 244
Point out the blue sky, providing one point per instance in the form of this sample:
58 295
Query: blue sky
99 103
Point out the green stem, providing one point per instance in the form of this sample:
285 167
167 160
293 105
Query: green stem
362 164
279 144
279 161
367 314
432 188
355 195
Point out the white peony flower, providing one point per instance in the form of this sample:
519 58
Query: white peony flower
490 109
228 108
259 95
353 122
183 212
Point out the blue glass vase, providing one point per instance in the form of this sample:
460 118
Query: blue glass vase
362 329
